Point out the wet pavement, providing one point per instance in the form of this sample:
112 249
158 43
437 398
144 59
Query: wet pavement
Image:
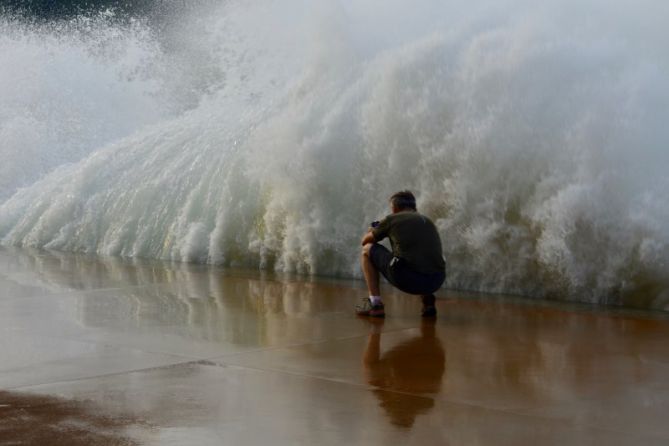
108 352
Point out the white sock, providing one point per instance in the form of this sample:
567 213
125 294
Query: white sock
375 300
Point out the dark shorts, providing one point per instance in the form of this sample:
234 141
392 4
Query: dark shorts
401 276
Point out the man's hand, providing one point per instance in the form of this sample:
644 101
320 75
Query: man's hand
368 238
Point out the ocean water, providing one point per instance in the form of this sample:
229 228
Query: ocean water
269 134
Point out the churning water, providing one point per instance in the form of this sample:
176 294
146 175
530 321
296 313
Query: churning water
270 133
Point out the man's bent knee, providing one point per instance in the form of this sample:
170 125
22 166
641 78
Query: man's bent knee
367 249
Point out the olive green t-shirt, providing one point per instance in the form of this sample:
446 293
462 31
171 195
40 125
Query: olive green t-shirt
415 239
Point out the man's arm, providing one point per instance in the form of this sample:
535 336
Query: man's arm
368 238
377 233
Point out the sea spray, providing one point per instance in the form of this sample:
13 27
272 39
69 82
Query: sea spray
534 136
69 88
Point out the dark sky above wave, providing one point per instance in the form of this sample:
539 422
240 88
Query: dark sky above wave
50 9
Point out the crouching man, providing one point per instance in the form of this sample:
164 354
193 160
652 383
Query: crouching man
415 265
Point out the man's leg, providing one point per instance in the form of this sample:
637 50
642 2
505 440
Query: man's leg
372 306
370 271
424 285
429 308
433 283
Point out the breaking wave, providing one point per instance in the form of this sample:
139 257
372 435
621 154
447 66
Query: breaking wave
269 134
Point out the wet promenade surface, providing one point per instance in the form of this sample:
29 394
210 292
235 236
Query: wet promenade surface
111 352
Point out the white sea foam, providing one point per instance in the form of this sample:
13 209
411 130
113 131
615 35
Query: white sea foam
534 135
68 89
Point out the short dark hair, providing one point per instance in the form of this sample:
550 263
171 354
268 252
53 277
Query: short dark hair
403 200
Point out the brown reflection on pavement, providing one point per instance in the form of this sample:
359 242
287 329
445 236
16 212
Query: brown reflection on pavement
27 419
406 376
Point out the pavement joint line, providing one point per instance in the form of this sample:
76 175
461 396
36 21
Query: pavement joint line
358 385
269 371
195 361
103 375
447 401
512 411
192 360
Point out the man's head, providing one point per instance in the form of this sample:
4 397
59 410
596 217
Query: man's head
403 201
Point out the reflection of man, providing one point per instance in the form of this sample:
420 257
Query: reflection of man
413 367
415 265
